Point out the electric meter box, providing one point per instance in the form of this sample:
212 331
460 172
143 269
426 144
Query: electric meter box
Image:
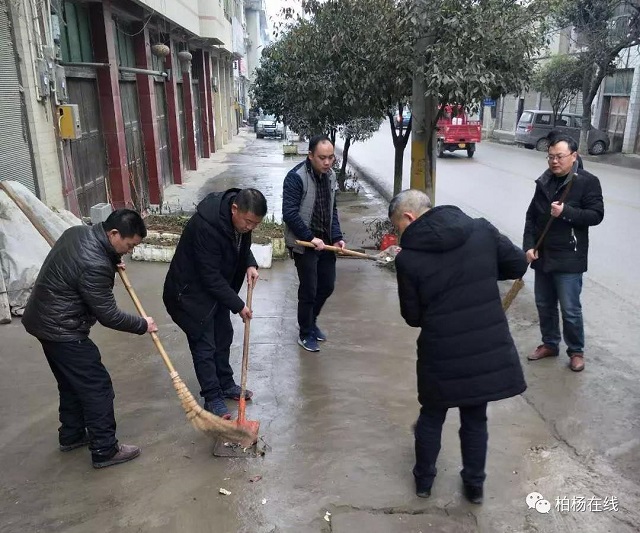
69 117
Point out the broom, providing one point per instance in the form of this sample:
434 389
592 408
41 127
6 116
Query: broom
201 419
239 431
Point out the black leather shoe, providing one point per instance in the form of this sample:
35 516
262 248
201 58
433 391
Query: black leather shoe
473 494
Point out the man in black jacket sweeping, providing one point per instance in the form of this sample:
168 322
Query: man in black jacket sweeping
562 259
447 272
74 289
201 287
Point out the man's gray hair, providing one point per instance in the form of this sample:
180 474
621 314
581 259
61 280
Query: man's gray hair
411 200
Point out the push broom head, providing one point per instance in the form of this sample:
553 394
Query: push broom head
245 433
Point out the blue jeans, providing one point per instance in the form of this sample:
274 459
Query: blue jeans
473 444
552 288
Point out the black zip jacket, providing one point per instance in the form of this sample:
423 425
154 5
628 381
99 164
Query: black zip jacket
565 248
207 269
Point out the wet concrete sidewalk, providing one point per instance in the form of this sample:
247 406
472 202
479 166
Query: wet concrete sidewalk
338 422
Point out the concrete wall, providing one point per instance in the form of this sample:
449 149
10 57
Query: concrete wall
213 23
40 114
185 13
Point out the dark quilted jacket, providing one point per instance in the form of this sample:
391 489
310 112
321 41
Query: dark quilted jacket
448 271
75 289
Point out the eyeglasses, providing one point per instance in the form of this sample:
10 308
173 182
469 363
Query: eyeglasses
558 157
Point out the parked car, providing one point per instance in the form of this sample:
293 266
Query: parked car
406 117
268 126
534 126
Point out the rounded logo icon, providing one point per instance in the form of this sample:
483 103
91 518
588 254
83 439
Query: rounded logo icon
533 498
543 506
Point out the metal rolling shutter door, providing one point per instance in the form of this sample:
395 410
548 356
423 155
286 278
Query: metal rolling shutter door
15 152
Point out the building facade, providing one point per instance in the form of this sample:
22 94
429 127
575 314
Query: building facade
112 101
616 108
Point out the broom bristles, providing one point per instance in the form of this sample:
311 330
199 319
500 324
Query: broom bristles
207 422
511 295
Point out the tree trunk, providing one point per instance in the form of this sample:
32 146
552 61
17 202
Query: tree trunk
399 145
424 116
345 158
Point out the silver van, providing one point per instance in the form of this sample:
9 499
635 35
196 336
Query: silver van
534 126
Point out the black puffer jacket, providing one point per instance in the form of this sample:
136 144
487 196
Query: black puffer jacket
207 268
565 248
75 288
447 282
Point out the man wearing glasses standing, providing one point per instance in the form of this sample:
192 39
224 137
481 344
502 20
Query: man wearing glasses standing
562 257
310 214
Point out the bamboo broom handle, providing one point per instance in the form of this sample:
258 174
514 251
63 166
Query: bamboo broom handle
337 250
154 335
242 403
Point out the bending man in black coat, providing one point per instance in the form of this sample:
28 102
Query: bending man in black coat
74 289
447 271
201 287
562 259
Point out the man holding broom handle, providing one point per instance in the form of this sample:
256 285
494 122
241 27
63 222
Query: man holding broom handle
310 214
448 272
572 199
211 261
74 289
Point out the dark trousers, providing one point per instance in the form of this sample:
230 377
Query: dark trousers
317 276
86 396
551 289
473 443
210 354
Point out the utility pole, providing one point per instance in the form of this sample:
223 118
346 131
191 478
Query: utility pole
423 112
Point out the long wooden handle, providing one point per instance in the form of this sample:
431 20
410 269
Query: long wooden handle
242 402
154 335
339 251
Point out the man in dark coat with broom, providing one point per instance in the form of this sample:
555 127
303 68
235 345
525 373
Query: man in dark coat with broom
201 288
448 271
74 289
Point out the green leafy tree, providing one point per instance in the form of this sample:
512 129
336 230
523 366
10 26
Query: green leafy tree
560 80
602 29
464 50
372 43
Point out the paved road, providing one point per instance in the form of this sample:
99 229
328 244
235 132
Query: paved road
338 422
595 412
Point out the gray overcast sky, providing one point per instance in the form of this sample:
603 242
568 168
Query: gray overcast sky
275 6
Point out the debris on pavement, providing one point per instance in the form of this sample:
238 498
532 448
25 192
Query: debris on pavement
255 479
327 516
224 491
264 501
